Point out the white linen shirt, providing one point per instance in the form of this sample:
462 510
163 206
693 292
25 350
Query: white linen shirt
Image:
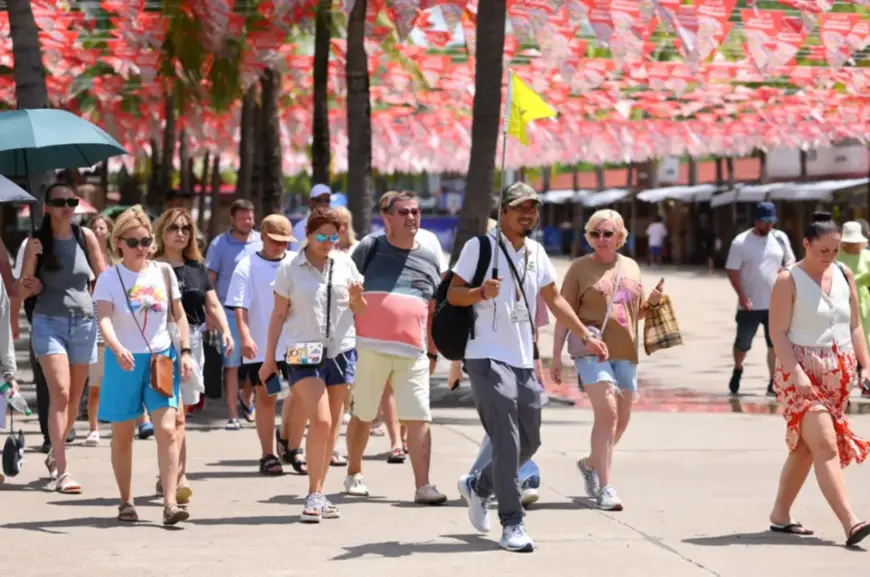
305 286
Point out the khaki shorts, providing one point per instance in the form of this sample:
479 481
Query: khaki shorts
408 377
95 370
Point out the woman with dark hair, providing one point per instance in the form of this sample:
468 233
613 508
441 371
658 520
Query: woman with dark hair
58 265
815 326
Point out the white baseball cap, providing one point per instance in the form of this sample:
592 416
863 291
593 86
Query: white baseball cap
320 190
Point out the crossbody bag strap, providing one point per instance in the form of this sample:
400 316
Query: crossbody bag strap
329 298
132 312
516 275
613 294
166 270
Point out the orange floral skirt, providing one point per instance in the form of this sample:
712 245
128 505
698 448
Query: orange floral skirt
832 373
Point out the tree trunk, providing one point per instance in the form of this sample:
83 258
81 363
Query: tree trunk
158 200
360 186
764 175
185 185
273 179
720 174
803 164
154 179
214 221
693 171
546 178
247 127
257 165
488 82
320 153
729 168
102 196
599 178
201 192
30 92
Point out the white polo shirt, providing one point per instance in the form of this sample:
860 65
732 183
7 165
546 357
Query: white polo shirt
305 286
496 336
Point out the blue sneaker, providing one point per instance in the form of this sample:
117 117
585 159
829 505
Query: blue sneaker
146 431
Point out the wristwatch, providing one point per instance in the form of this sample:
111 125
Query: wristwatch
432 356
585 338
185 350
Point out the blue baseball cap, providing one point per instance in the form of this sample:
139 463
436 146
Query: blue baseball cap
765 212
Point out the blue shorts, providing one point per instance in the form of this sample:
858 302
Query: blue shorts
74 337
234 359
337 371
123 393
656 251
623 374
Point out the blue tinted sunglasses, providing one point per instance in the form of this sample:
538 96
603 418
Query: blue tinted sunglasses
333 238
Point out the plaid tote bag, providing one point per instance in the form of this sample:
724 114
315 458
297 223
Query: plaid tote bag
660 328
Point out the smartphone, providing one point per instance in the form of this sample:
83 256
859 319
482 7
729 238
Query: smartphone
273 385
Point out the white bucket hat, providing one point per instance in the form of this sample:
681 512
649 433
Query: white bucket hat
852 233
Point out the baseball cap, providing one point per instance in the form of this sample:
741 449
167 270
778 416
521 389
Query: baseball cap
319 190
517 193
277 228
765 212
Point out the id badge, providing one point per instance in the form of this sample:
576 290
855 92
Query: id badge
304 354
519 313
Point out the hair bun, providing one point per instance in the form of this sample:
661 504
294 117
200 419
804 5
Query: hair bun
820 216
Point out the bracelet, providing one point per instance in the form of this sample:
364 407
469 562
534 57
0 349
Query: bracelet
185 350
432 356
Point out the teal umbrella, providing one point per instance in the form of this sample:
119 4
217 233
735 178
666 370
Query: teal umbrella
41 139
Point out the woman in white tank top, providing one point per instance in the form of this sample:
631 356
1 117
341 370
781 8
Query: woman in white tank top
817 336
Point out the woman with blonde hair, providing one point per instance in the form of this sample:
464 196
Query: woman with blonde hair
605 290
136 299
347 240
102 227
853 253
175 234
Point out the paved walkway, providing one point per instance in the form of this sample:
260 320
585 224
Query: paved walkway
697 489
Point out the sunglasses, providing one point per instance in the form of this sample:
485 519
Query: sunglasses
186 228
408 212
601 233
62 202
137 242
333 238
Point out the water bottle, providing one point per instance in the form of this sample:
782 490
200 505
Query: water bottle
14 399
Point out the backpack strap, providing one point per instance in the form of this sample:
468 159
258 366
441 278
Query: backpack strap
483 258
370 255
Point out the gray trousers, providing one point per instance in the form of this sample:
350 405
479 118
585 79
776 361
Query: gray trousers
509 406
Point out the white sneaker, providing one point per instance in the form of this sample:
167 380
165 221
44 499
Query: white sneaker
345 419
514 538
312 509
233 425
478 512
93 439
590 478
355 485
608 500
429 495
529 496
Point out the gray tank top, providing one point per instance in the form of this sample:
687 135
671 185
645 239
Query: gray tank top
65 290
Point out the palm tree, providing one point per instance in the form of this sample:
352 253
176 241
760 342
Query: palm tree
360 190
246 143
30 88
488 72
320 153
272 178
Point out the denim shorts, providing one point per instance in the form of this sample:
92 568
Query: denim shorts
622 373
74 337
234 359
338 371
123 393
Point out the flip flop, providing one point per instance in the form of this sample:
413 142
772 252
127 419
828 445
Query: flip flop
791 529
858 533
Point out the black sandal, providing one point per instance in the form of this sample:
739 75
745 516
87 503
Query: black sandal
397 457
791 529
271 466
858 533
295 459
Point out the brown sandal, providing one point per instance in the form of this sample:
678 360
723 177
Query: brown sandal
127 513
174 514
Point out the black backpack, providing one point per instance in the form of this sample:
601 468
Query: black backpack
453 326
30 302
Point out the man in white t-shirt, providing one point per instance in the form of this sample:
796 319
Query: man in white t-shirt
250 294
500 359
320 195
755 258
656 233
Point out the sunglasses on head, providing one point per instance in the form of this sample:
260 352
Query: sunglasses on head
333 238
601 233
62 202
136 242
408 211
185 228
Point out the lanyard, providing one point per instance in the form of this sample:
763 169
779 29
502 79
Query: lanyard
522 281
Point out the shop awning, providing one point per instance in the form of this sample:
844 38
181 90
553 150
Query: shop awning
605 197
699 192
564 196
749 193
821 191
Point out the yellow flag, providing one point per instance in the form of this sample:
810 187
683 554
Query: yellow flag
526 105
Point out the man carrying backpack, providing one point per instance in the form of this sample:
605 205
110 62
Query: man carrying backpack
500 356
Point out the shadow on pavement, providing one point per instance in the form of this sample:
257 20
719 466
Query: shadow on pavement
760 538
145 501
276 520
53 527
395 549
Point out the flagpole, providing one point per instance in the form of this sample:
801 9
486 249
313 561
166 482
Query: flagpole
504 131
